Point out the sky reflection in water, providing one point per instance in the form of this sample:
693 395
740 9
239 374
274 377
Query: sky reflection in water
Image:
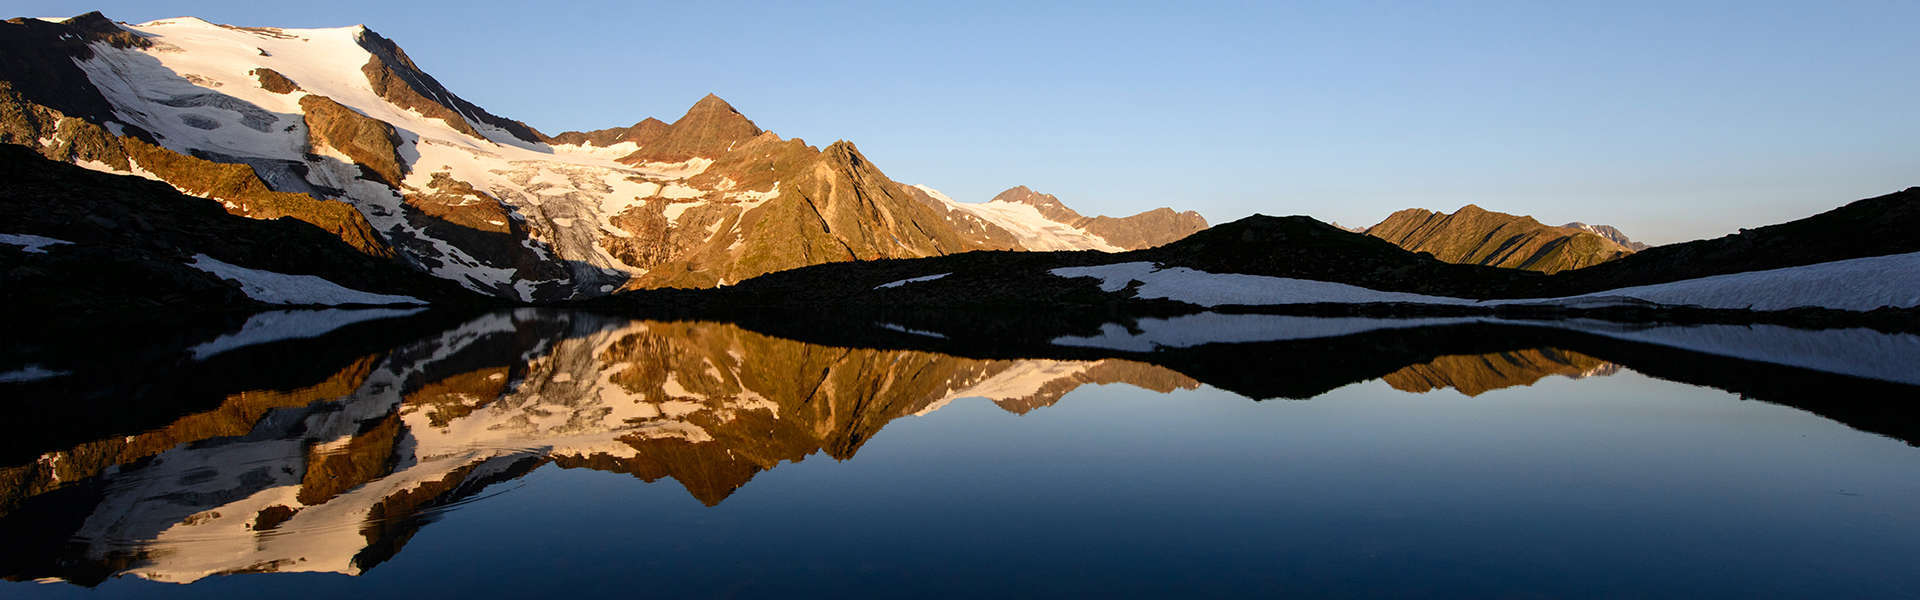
1611 484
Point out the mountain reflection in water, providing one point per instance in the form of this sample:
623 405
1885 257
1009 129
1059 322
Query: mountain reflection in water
333 467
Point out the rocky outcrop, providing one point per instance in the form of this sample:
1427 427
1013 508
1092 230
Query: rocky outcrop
132 239
273 81
238 187
373 145
395 78
1476 236
832 205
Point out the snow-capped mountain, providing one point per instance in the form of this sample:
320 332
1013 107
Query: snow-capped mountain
340 128
1610 232
1041 222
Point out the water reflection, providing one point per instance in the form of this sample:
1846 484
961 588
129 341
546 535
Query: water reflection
336 453
1475 374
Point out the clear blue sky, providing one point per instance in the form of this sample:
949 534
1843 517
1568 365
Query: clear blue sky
1671 121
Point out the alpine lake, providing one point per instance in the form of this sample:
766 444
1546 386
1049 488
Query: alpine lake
535 453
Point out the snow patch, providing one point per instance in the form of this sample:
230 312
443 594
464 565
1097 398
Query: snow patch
30 373
281 288
29 243
1215 289
904 329
895 284
1859 284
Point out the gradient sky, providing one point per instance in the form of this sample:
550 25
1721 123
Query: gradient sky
1671 121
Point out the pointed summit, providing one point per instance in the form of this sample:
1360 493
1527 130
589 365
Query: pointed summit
709 129
711 104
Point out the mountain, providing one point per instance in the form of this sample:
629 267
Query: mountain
1610 232
1037 221
1473 235
340 128
1844 266
101 242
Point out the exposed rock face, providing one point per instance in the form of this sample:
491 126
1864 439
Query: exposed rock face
1473 235
395 78
59 137
1478 374
371 144
1610 232
273 81
709 129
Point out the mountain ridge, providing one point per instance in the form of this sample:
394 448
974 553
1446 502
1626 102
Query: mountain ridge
344 117
1474 235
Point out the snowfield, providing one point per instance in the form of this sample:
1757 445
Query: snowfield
1859 284
1033 230
1215 289
281 288
1855 351
29 243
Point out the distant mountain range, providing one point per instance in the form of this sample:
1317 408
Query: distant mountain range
341 129
1476 236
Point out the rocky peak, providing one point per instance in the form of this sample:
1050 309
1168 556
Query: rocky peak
96 27
396 78
709 129
1048 205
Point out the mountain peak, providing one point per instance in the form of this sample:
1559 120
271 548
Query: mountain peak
710 128
711 104
1048 205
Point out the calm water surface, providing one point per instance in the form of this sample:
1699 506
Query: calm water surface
539 454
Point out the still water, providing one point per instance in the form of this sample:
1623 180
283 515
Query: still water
531 454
